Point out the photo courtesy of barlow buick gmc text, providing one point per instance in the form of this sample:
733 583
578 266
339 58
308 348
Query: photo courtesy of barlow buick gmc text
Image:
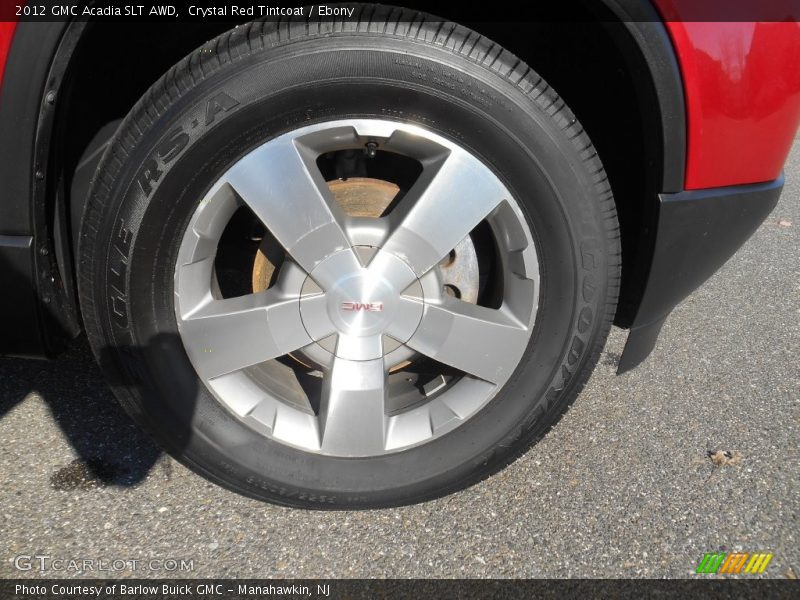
348 262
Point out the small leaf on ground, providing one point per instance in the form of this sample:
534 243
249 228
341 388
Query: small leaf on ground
722 458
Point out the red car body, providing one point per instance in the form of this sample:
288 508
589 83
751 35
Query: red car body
742 95
6 34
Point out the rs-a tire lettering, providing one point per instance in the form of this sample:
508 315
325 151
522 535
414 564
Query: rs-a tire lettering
166 152
176 141
222 102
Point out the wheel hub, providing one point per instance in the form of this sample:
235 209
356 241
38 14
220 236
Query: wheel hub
370 317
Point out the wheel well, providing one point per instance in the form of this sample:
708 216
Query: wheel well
113 66
592 61
597 69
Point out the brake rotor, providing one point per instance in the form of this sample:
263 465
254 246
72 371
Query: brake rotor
357 197
367 197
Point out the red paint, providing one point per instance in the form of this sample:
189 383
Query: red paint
6 35
742 87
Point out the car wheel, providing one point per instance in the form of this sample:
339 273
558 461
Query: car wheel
355 264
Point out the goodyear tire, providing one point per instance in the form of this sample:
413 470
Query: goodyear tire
548 273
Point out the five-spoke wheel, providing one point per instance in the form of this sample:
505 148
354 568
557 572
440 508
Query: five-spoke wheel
349 264
359 302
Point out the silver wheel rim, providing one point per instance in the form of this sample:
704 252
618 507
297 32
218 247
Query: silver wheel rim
356 296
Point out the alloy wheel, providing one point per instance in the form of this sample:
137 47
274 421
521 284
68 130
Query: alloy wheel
381 325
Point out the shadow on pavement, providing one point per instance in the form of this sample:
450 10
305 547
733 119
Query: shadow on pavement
112 450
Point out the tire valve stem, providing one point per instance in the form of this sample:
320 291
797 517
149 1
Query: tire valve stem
371 149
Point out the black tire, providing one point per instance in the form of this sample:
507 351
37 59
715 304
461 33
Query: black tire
263 79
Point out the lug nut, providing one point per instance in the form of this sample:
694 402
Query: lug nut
371 149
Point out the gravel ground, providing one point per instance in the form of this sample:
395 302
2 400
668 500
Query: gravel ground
622 487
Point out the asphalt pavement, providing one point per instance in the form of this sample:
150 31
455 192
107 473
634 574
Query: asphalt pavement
623 486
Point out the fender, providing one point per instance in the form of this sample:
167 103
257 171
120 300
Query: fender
38 305
653 42
742 88
743 98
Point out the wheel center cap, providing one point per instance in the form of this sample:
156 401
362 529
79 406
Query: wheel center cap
363 304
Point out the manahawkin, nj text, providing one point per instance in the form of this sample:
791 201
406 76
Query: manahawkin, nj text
171 589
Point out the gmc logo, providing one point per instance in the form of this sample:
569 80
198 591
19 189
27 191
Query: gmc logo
368 306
